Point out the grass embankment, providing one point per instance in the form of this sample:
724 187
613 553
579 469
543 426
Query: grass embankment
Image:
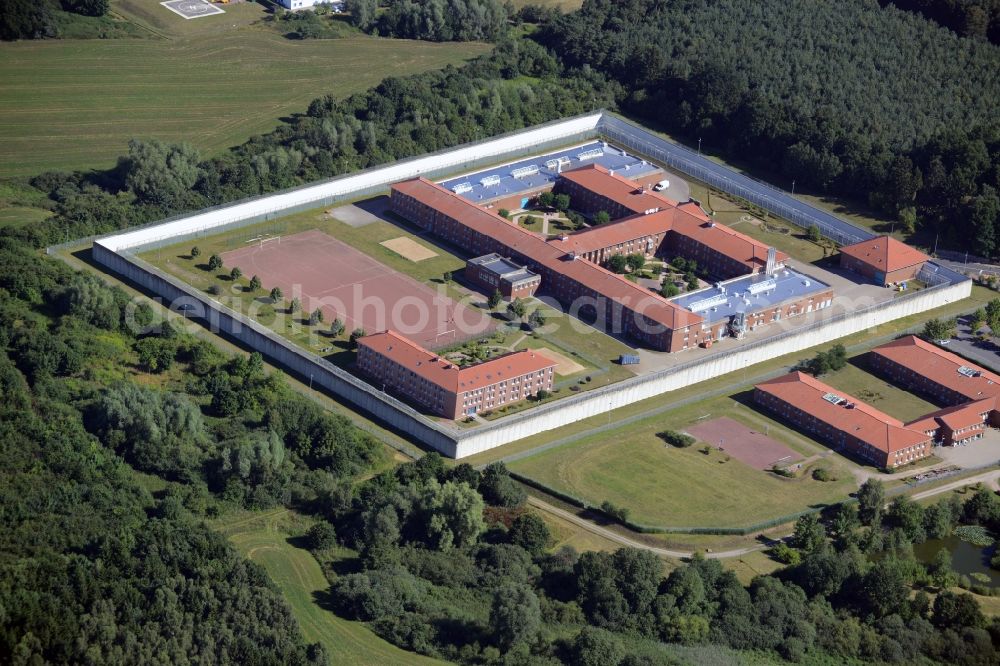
75 104
264 538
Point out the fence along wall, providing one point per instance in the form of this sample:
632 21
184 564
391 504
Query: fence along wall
117 253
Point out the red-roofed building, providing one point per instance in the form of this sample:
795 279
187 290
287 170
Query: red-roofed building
884 260
926 368
593 189
407 369
845 422
570 266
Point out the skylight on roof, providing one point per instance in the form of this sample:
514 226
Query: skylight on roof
833 398
462 188
968 372
590 154
765 285
525 171
707 303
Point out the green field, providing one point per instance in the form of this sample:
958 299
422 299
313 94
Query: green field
74 104
663 485
263 538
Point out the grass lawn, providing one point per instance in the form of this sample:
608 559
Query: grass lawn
74 104
878 393
264 538
662 485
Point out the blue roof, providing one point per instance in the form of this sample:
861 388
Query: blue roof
501 183
750 293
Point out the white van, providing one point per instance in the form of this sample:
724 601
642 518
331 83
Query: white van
662 185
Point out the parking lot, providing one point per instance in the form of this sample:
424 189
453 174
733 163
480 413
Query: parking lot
964 343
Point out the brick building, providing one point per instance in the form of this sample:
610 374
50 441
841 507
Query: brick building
593 189
883 260
493 272
971 392
405 368
570 271
843 421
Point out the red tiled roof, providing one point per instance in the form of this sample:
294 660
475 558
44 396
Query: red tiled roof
616 233
537 249
955 417
885 253
687 219
617 188
448 375
940 366
863 421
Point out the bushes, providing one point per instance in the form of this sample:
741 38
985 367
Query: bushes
679 439
619 513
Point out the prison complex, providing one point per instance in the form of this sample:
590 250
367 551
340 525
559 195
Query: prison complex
398 364
570 270
848 423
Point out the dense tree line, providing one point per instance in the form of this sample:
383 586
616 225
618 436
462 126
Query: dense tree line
39 19
843 97
93 567
439 579
433 20
979 19
399 118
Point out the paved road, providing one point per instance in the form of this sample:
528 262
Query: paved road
966 344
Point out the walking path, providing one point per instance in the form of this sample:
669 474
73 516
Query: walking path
990 478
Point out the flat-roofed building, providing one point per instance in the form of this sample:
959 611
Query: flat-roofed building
494 272
843 421
883 260
403 367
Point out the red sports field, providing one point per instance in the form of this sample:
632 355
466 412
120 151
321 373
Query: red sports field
347 284
748 446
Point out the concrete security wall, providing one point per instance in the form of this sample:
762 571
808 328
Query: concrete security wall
373 178
600 401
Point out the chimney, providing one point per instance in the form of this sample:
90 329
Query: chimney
771 260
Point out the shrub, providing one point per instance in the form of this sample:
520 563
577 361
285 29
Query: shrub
321 536
215 290
785 553
195 252
214 262
619 513
823 474
678 439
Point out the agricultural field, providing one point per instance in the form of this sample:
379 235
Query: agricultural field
74 104
264 538
698 486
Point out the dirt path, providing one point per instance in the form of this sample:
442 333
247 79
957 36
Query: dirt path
991 479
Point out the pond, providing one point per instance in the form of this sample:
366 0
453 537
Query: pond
966 559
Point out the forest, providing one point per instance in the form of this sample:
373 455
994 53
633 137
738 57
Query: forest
432 20
979 19
900 115
96 568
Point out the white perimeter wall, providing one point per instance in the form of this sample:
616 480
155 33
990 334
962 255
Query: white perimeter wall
348 184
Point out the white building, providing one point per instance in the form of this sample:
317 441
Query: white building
335 5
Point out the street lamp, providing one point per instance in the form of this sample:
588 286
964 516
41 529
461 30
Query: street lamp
699 145
793 186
